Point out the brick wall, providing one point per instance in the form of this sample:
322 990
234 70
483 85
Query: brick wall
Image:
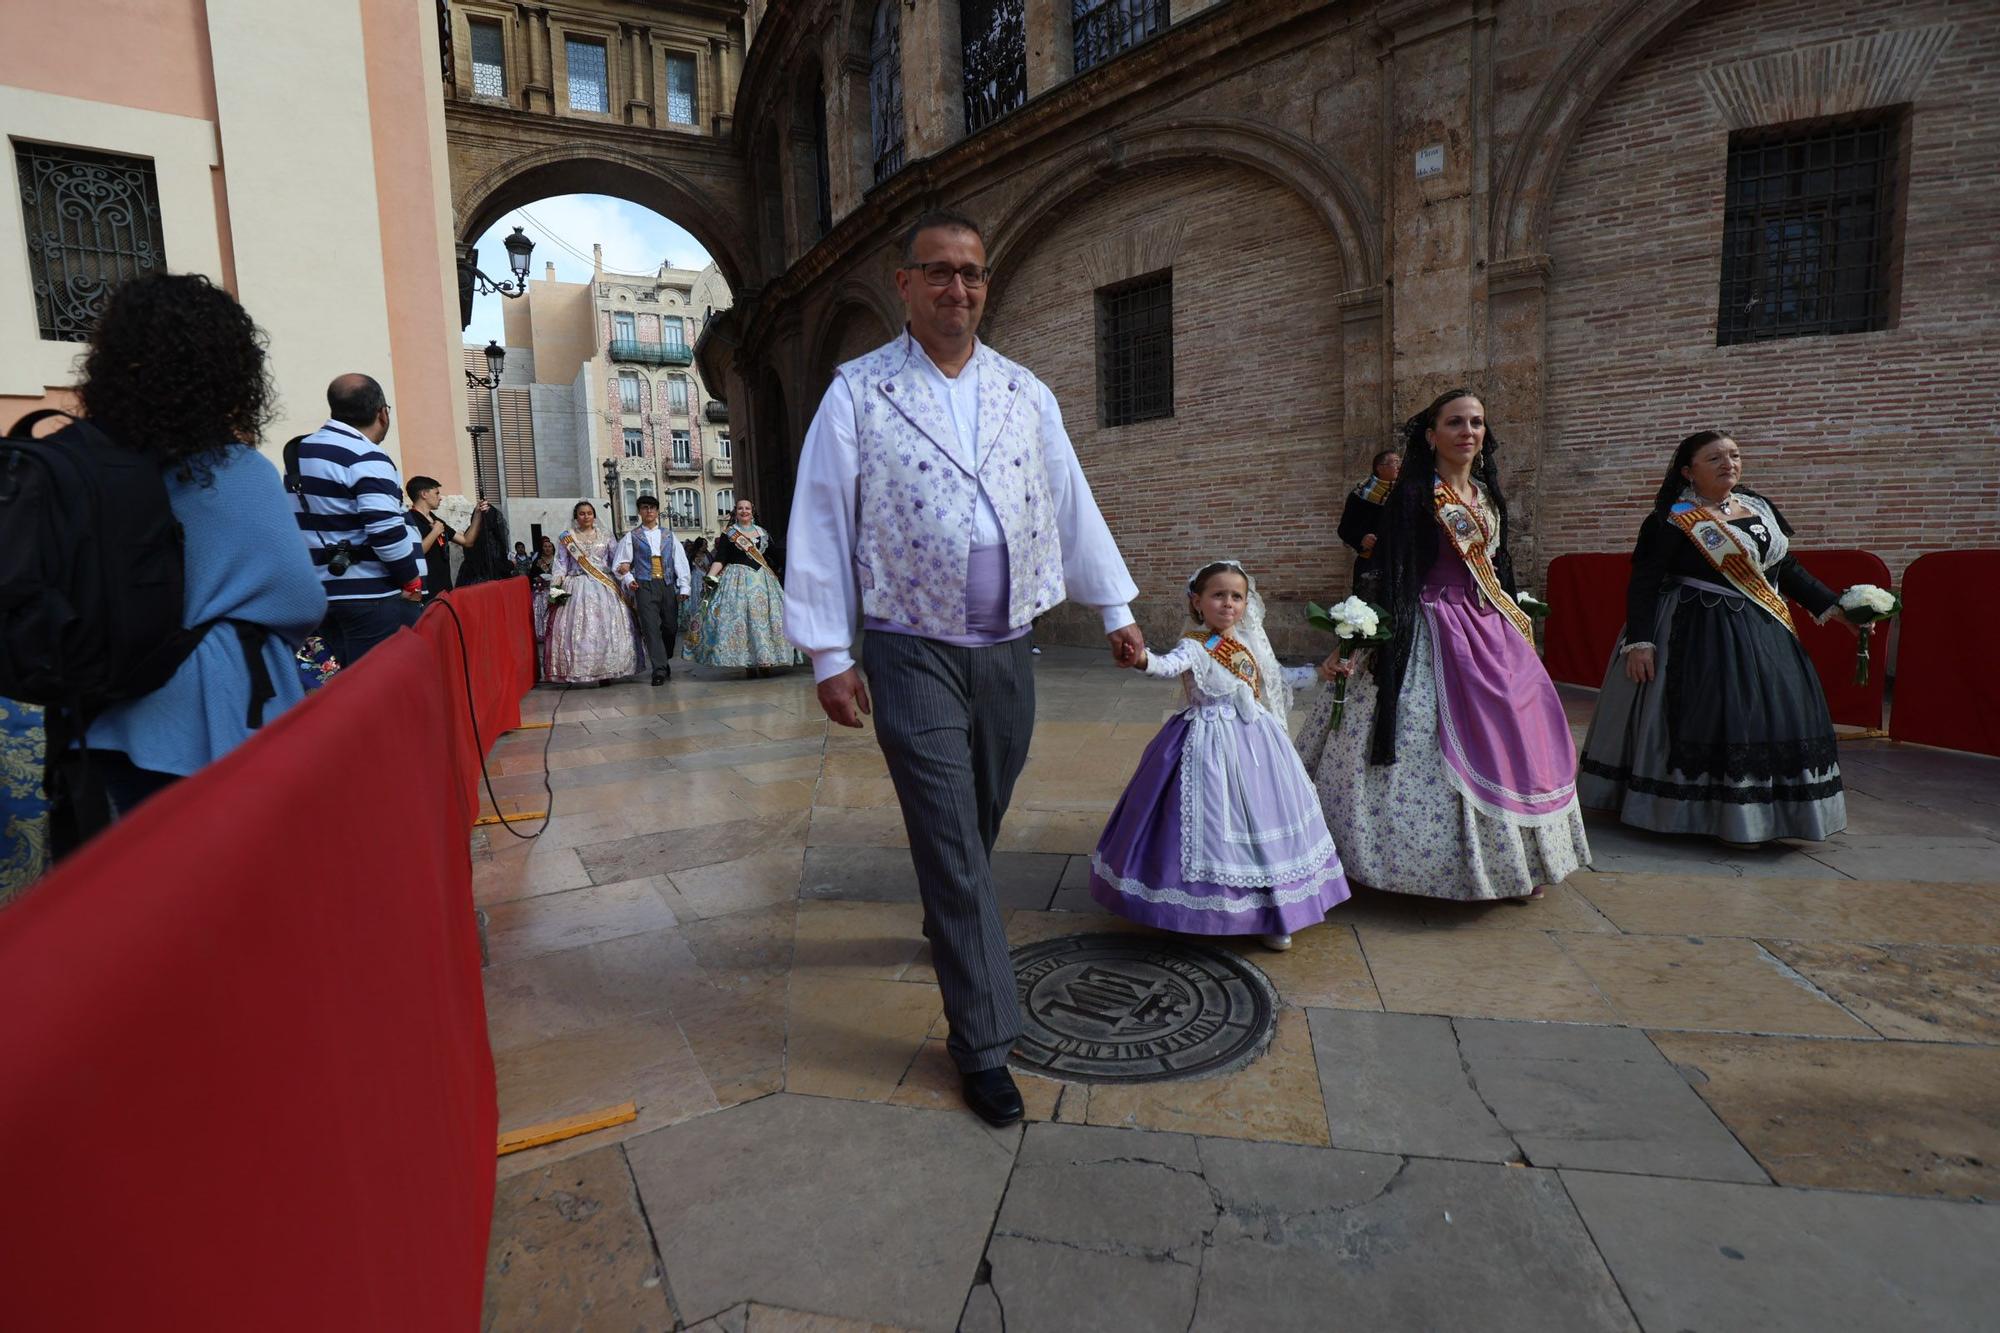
1246 466
1876 440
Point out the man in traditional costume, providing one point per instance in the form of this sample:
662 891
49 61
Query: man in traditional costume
1361 517
940 505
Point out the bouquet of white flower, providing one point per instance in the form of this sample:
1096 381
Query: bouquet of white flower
1358 625
1864 604
1536 608
557 596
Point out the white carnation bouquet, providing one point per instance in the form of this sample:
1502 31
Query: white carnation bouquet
1357 624
1864 604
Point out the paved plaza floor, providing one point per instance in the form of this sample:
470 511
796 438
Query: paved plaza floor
1692 1089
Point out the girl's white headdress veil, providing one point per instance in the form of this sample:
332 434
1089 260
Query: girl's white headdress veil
1272 692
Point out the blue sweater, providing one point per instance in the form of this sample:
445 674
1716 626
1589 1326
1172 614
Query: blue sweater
245 561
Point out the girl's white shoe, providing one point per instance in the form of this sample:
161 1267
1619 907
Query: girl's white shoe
1279 943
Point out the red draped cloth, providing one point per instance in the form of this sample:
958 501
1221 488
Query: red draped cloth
1586 597
1831 646
1948 642
244 1075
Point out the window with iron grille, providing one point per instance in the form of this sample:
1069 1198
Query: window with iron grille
683 507
677 394
994 37
683 449
1809 229
589 79
624 326
489 59
885 89
628 391
680 90
93 220
673 334
1135 349
1103 28
635 442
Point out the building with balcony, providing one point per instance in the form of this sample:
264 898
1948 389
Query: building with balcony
601 400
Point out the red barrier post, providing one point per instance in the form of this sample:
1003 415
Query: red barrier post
1946 650
1586 597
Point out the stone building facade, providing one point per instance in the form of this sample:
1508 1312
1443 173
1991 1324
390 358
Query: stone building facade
1243 239
1360 204
600 399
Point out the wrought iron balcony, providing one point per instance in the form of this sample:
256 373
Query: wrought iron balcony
716 411
651 354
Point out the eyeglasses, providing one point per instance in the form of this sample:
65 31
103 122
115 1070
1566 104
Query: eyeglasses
940 274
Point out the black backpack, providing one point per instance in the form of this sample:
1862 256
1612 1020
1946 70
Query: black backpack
90 570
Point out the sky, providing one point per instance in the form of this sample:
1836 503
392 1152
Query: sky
635 240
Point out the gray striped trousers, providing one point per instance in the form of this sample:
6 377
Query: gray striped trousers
954 724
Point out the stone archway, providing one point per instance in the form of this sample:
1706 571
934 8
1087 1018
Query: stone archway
713 218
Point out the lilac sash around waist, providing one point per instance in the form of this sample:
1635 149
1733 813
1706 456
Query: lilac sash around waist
1501 728
986 595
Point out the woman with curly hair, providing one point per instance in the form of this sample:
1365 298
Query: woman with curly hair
1452 774
176 372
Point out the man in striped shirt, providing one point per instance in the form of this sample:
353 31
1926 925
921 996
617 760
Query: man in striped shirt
351 514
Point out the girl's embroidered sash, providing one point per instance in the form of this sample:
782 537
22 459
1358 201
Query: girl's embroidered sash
745 544
1724 548
1469 537
1232 655
586 564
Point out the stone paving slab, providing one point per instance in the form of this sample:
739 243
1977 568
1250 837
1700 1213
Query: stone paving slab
1899 1117
570 1249
1719 1257
1914 992
1722 985
886 874
845 1208
1395 1083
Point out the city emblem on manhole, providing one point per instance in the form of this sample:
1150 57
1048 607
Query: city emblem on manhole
1138 1008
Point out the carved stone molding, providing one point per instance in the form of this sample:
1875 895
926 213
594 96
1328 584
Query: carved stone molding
1827 79
1359 305
1518 273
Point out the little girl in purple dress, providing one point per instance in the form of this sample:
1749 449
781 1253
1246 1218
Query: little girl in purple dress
1220 832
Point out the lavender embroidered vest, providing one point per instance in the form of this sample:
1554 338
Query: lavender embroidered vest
919 491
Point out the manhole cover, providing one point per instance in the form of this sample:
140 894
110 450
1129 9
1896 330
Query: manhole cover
1138 1009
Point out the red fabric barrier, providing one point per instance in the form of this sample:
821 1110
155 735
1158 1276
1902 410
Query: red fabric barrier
244 1073
1831 646
1586 597
1947 646
499 627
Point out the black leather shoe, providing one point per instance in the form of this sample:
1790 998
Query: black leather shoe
663 674
992 1096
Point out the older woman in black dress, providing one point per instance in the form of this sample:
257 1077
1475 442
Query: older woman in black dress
1711 719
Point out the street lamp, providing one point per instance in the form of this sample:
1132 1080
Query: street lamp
518 248
611 492
496 361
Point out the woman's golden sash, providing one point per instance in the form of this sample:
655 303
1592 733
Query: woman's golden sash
1466 528
745 544
1724 549
589 566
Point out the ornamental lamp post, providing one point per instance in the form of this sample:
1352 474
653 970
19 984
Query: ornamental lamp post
611 492
496 362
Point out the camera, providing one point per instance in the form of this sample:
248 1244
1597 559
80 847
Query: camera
343 558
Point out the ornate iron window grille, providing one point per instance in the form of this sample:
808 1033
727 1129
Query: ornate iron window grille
1135 349
589 76
995 37
1103 28
1807 231
885 89
93 220
489 59
680 90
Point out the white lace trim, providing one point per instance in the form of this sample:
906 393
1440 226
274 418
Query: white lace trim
1216 902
